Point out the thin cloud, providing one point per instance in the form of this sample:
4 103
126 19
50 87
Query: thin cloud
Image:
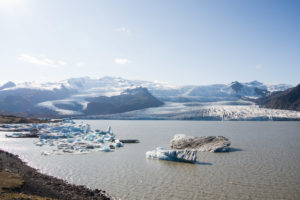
124 30
121 61
41 60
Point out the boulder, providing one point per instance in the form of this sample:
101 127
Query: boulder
203 144
173 155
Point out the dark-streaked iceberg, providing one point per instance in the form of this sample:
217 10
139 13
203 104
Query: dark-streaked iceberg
203 144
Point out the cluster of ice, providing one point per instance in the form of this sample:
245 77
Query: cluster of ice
173 155
68 137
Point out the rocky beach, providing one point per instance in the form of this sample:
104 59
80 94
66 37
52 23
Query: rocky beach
19 181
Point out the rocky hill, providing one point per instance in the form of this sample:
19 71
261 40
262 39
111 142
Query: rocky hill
286 100
129 100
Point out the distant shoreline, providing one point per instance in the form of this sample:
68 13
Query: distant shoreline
34 185
12 119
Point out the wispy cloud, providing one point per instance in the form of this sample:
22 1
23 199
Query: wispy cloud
124 30
41 60
122 61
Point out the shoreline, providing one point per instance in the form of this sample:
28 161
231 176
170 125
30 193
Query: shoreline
35 185
12 119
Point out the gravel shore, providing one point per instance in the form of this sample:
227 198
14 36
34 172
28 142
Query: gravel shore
44 186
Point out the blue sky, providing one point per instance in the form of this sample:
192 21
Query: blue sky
180 42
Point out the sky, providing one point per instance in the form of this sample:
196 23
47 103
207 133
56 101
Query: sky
179 42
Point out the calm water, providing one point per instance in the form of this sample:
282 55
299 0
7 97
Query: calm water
265 163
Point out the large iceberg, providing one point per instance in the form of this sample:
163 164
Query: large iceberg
173 155
204 143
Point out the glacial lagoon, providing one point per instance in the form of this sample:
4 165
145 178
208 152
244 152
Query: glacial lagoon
264 162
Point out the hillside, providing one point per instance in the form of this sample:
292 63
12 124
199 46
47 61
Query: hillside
129 100
286 100
9 119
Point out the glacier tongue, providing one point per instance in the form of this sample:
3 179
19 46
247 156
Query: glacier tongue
208 111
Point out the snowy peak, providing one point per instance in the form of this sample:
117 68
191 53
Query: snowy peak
236 86
255 83
78 82
252 89
136 91
72 96
9 84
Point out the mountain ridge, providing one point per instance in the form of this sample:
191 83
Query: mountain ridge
286 100
72 97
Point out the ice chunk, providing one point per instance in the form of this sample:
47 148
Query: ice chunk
173 155
100 141
70 140
106 149
45 153
118 143
39 143
109 130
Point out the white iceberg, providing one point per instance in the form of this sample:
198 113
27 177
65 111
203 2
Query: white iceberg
173 155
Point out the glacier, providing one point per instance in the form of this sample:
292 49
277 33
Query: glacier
209 102
221 111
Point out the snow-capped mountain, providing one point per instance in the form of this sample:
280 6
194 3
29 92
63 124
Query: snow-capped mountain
73 96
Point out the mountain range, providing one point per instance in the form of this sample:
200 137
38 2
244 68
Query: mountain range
111 96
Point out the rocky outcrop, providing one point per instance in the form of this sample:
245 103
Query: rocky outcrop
203 144
173 155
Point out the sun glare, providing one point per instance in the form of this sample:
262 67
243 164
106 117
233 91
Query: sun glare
12 6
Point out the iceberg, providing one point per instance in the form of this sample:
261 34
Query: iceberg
173 155
203 144
68 137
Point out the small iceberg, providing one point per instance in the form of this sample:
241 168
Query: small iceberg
173 155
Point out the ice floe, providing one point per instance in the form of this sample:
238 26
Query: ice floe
69 137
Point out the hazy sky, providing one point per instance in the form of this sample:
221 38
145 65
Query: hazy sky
181 42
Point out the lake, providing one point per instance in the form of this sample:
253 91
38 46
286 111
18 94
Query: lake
264 162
